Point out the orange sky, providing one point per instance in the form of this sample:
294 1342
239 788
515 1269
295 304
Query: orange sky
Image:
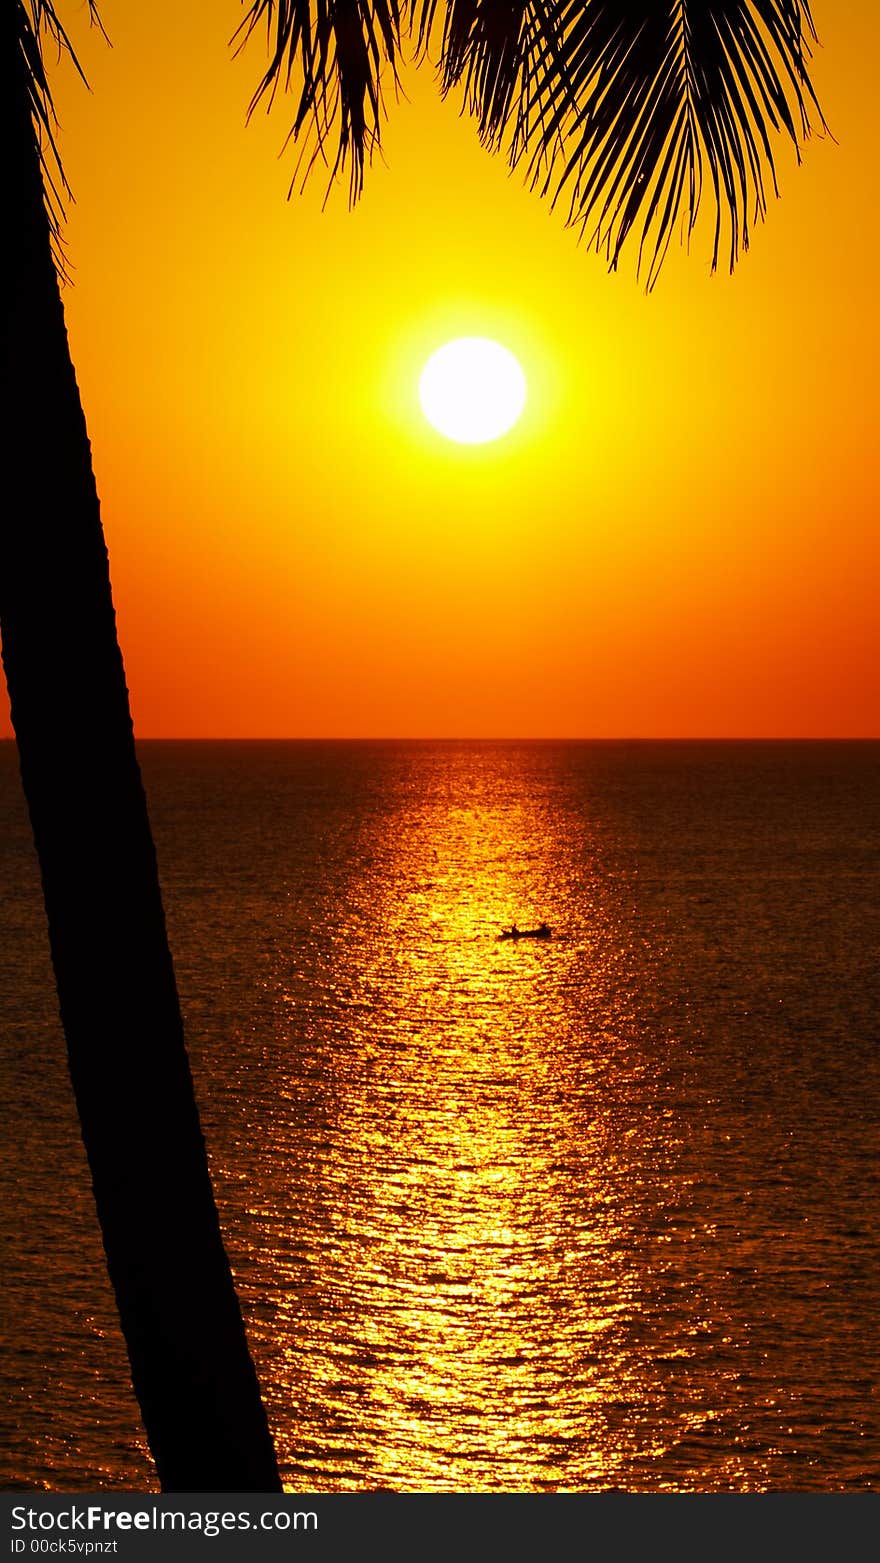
677 539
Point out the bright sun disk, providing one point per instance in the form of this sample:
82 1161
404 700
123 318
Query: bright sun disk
472 390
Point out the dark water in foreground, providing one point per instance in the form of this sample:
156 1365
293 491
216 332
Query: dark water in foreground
595 1213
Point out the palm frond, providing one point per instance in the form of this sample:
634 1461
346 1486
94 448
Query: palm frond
484 45
624 105
336 52
496 50
37 21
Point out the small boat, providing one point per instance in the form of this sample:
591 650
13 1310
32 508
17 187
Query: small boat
541 932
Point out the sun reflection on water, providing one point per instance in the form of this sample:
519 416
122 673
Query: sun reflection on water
463 1277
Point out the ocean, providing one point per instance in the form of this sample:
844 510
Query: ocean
588 1213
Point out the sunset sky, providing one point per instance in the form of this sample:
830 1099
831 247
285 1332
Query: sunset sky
678 538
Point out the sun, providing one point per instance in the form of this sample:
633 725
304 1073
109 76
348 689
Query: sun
472 390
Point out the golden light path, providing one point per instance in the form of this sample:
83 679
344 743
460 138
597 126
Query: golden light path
445 1192
461 1185
472 390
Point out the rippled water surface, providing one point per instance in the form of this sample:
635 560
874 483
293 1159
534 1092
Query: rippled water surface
597 1212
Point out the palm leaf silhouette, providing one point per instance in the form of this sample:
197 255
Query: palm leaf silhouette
41 18
621 107
337 51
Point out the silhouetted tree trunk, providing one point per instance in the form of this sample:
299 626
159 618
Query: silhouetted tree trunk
190 1364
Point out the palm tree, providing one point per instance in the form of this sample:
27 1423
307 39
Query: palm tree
190 1364
616 106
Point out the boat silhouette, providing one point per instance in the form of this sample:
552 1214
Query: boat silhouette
541 932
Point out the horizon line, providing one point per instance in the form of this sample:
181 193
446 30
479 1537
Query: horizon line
726 738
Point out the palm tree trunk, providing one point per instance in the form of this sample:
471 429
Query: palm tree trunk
190 1364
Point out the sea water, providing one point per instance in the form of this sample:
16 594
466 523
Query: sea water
579 1214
